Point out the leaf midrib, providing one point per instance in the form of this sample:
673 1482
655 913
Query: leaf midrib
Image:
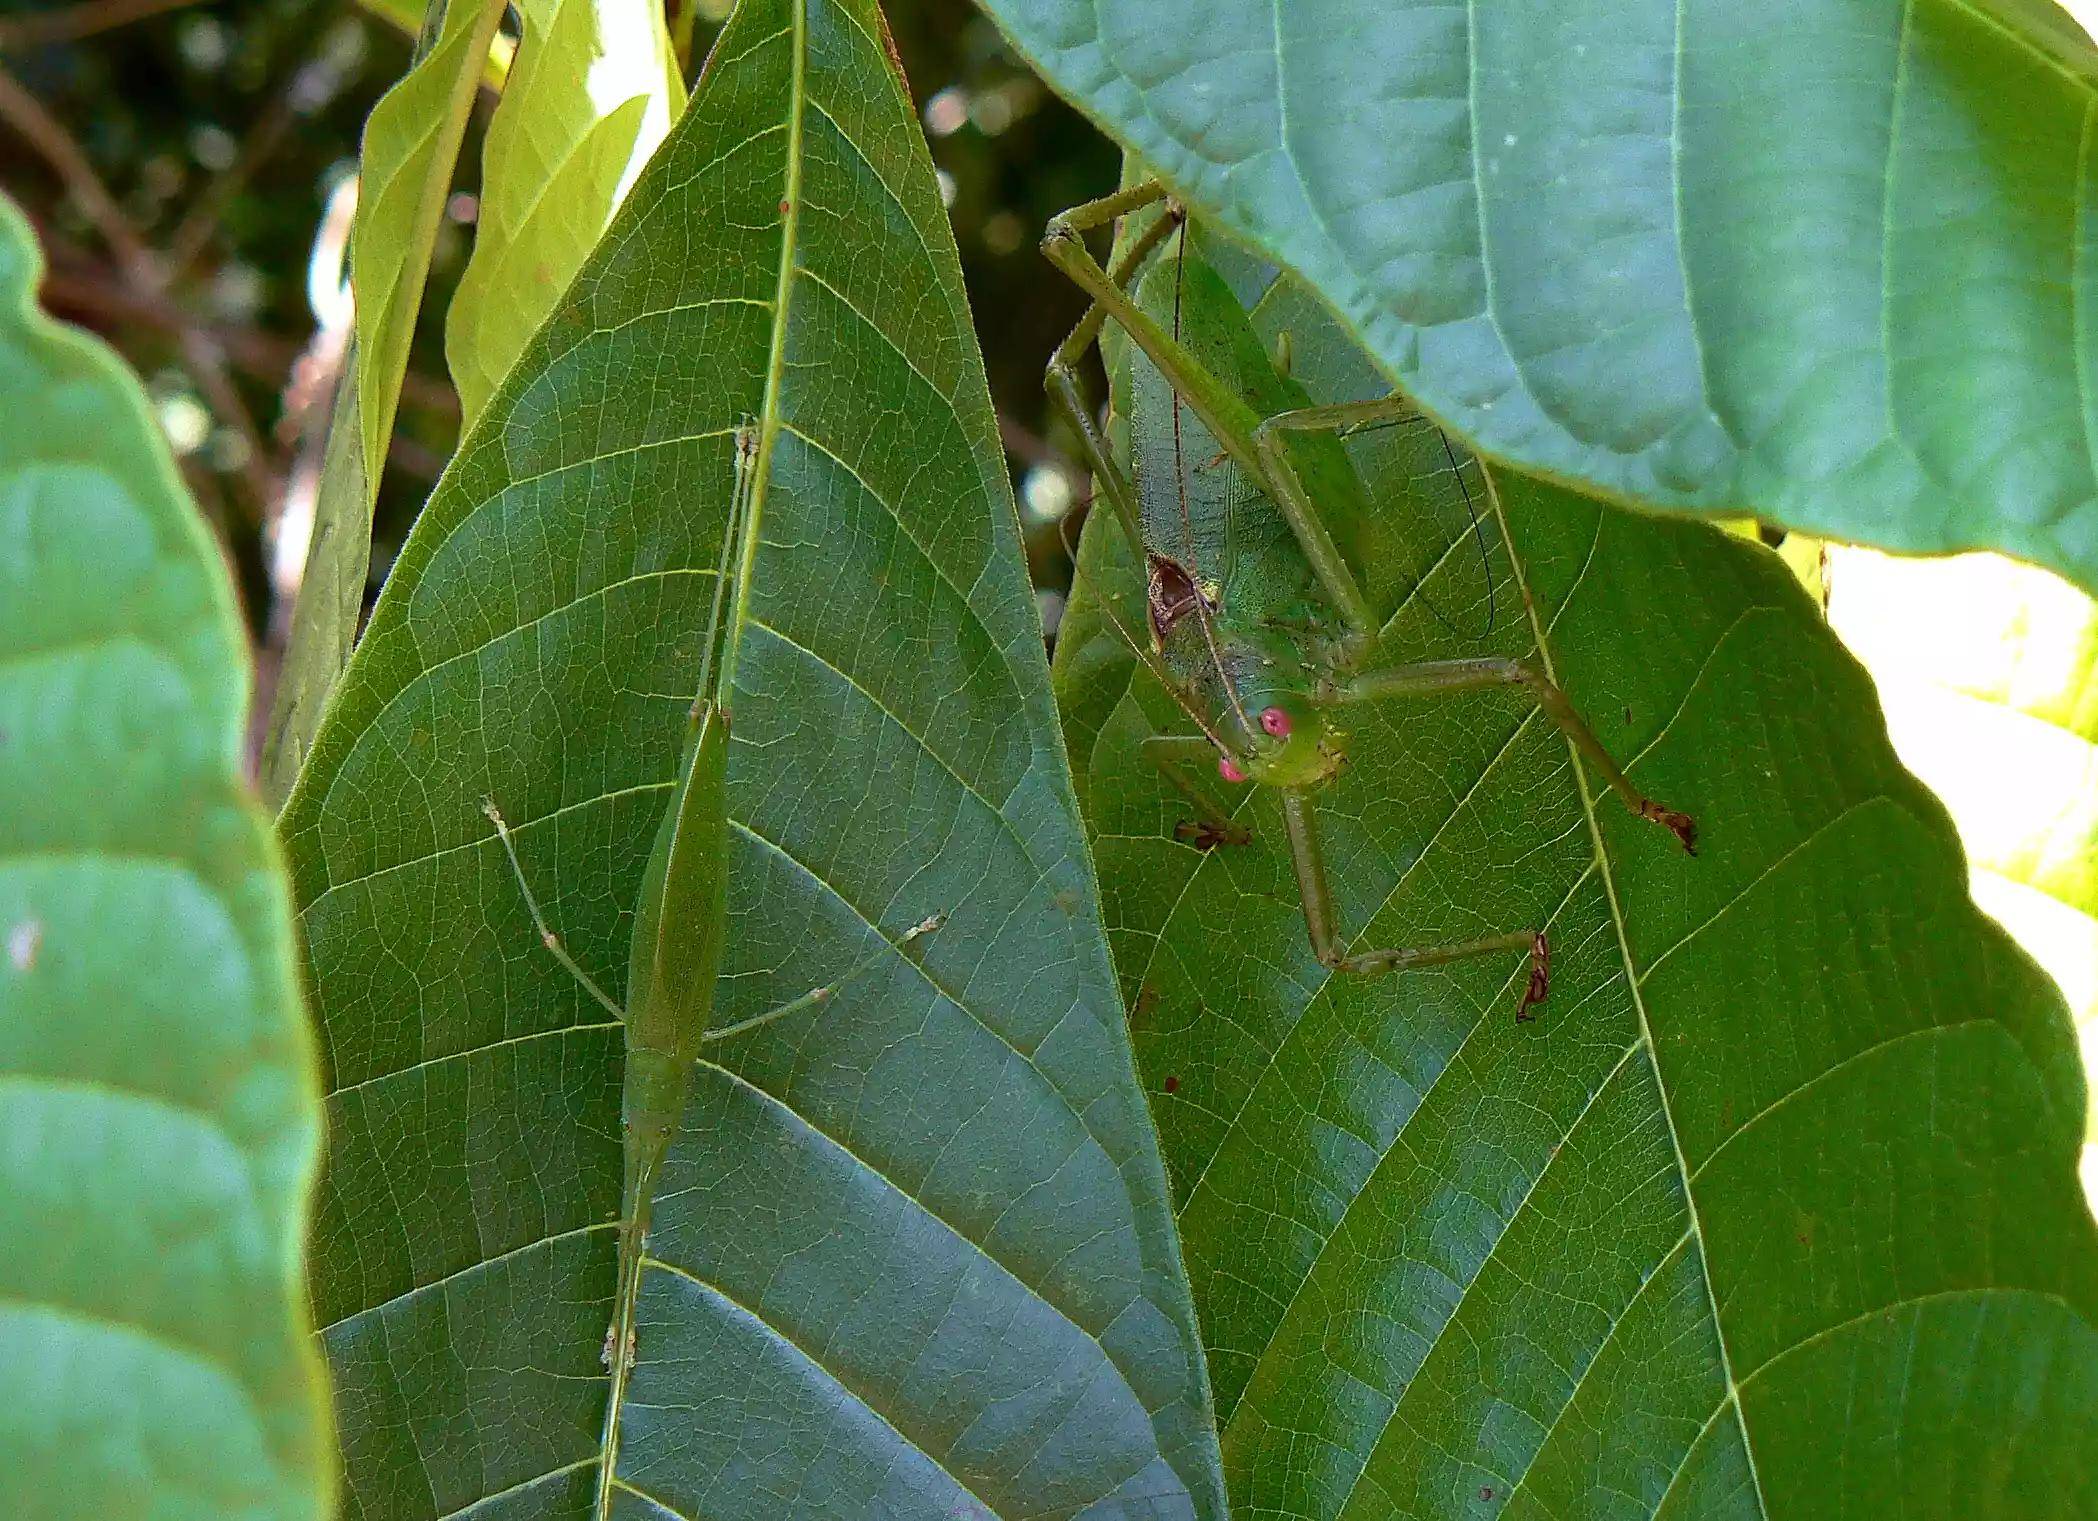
768 438
1635 987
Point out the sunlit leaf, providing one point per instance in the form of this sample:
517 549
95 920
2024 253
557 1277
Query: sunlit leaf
1828 262
159 1127
1989 674
411 148
593 91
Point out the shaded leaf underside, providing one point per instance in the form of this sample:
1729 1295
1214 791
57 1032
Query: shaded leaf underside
912 1254
1772 1213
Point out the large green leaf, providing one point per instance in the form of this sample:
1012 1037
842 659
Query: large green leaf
592 92
411 149
1989 674
159 1125
912 1254
1828 262
1772 1212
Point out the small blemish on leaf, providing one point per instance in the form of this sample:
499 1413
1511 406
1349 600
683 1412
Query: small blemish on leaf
23 942
1172 1083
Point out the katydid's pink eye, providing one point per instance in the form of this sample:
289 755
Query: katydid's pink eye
1228 770
1275 722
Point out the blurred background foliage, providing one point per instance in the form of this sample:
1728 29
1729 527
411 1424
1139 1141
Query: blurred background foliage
221 131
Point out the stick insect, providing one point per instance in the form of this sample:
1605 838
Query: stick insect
1259 627
680 926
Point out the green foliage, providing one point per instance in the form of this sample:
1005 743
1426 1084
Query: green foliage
592 91
1771 1212
912 1253
158 1124
411 147
1830 267
586 96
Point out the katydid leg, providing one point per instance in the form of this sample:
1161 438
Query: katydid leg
1171 754
1431 678
1068 397
1065 388
1225 414
1307 855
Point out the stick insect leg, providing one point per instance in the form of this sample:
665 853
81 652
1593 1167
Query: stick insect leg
1171 754
1307 855
1222 410
547 937
1434 677
815 997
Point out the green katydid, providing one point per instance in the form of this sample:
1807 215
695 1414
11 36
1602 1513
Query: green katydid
1259 627
680 926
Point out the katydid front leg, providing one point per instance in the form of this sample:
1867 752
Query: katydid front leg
1211 826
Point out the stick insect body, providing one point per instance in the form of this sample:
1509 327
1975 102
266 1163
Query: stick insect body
680 927
1258 623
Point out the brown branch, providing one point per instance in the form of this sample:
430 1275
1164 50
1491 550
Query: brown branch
36 126
202 219
263 356
1024 444
77 21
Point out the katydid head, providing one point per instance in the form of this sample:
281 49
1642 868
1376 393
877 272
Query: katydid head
1292 745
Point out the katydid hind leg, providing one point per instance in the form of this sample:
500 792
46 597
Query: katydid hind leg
1321 921
1109 481
1227 416
1435 678
1347 419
